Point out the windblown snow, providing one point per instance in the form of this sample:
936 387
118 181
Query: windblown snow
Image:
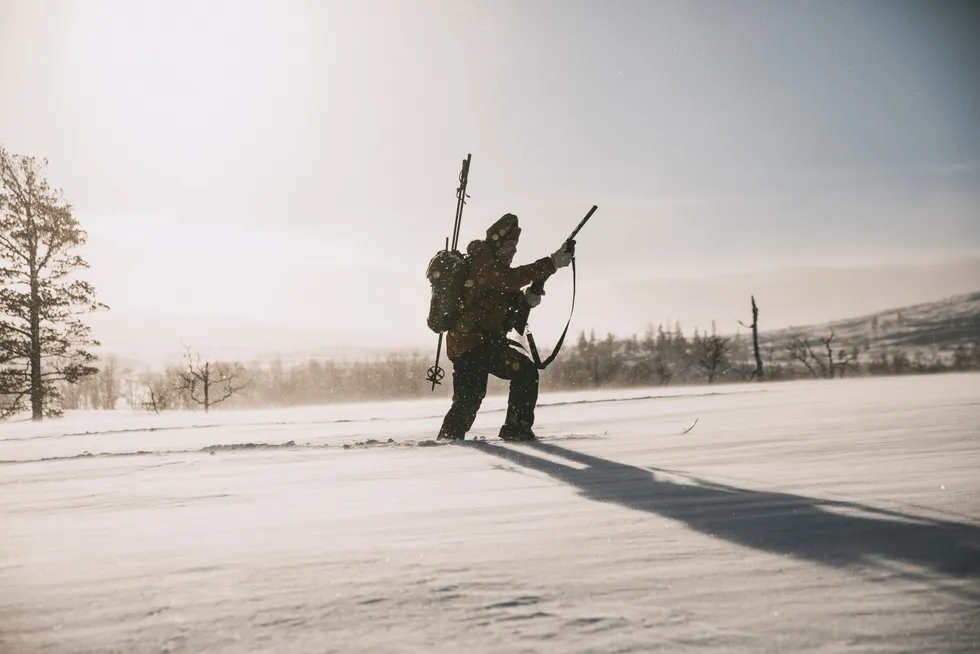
825 516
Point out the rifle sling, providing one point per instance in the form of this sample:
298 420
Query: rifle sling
541 365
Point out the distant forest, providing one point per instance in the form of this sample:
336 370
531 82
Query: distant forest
661 357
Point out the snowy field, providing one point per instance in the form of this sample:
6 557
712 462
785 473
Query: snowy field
832 516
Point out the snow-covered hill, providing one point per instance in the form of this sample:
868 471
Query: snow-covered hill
794 517
942 324
930 330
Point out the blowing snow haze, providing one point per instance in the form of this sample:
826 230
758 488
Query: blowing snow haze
275 176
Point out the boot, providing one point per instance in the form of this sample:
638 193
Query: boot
516 433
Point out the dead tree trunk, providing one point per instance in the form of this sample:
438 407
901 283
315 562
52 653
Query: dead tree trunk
759 372
837 364
154 403
830 354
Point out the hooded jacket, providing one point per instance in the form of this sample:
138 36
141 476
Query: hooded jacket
491 289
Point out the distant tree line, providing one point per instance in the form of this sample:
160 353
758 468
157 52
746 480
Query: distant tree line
196 384
661 357
664 358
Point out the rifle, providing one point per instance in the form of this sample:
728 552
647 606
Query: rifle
522 312
435 374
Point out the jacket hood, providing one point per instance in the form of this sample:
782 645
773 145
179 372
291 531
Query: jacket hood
505 228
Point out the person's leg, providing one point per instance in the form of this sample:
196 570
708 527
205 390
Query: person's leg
507 363
469 388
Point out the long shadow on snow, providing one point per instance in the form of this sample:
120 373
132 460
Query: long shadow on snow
781 523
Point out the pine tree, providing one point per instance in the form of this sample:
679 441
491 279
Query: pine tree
42 340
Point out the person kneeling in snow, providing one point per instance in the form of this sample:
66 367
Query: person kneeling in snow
478 346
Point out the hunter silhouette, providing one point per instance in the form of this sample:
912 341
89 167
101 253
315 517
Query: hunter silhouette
478 345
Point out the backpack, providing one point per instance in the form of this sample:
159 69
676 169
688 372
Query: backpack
446 272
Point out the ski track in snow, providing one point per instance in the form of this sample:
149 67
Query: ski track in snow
800 517
337 421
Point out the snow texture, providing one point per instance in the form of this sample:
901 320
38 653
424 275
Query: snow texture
829 516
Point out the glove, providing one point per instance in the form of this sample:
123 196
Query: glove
561 258
532 299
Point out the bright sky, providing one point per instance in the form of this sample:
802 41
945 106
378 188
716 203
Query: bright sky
295 162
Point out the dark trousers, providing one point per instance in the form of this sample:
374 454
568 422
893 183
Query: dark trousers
471 371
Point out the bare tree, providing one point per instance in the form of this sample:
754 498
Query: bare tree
158 396
758 373
830 353
837 363
216 382
834 363
160 391
42 340
710 354
844 358
799 349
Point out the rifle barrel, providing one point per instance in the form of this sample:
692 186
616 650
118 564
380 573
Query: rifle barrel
582 222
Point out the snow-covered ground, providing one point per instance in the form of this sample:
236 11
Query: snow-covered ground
809 516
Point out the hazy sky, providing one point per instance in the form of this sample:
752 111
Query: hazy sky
296 162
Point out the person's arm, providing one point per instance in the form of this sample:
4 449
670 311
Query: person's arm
491 273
